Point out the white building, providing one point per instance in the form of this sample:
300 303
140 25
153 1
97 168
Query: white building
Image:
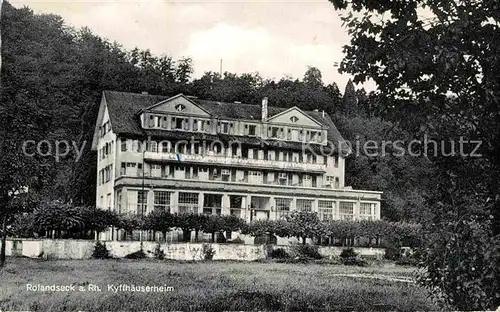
184 154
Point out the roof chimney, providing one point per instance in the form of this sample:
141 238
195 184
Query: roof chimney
264 108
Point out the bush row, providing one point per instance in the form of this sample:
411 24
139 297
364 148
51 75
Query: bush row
61 220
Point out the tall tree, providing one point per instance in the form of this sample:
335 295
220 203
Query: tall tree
437 67
350 99
313 78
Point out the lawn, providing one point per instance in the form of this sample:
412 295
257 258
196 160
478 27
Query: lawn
208 286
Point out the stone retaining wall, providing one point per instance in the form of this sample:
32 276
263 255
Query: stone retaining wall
82 249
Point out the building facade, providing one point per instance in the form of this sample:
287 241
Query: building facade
182 154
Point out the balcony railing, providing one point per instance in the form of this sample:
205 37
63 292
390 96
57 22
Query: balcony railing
234 161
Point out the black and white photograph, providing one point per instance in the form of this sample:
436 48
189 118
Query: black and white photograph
260 155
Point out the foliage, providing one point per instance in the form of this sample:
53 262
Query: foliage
435 68
462 258
160 221
140 254
303 224
350 100
305 252
24 225
350 257
406 181
208 252
100 251
279 253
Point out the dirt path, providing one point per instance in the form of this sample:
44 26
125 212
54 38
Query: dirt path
378 276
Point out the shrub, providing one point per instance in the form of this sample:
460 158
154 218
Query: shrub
100 251
208 252
306 251
350 257
159 253
392 253
136 255
279 253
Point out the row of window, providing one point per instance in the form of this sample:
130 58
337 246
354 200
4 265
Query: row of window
233 151
219 174
188 202
228 127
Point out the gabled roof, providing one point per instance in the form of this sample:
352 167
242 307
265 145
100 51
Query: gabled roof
123 108
180 95
292 109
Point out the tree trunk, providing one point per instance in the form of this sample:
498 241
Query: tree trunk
4 240
304 240
186 235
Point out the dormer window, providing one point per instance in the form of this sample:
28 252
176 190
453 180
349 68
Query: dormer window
223 127
251 129
180 107
294 119
178 123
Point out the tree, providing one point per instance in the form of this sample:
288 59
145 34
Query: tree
213 224
436 68
312 78
350 99
304 225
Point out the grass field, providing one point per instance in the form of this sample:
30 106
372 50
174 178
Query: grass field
209 286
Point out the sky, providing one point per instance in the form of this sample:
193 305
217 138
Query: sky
275 38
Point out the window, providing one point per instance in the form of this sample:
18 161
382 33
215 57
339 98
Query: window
142 202
188 202
180 107
244 152
329 179
367 211
139 169
326 209
251 129
224 127
283 206
178 122
154 146
255 153
304 205
123 169
276 132
119 202
124 145
162 201
108 201
164 147
346 210
294 119
195 124
155 170
139 146
336 161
